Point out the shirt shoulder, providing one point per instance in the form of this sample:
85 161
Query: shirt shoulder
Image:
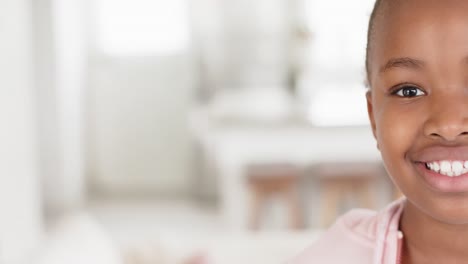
351 239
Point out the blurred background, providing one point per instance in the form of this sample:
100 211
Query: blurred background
181 132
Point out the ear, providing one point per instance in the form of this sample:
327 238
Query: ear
370 112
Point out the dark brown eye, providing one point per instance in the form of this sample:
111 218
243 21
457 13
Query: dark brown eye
409 91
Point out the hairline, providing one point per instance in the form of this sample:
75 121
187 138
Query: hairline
376 11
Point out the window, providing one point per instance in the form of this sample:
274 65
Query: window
334 79
335 106
340 29
142 27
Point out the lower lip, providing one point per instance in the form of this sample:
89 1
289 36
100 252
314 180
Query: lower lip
444 183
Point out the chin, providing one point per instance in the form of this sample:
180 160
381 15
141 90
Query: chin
452 220
448 210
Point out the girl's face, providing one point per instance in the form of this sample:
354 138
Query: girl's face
418 103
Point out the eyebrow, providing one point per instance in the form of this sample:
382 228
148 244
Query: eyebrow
404 62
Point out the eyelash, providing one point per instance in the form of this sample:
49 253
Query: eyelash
398 91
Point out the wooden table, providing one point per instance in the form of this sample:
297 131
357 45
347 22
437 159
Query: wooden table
233 149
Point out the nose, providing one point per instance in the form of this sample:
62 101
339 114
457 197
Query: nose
448 119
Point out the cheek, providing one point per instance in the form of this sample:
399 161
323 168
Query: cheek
394 130
398 125
396 133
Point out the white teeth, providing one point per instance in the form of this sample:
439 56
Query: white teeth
457 165
448 168
445 167
457 168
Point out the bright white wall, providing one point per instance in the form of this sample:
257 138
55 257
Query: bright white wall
59 53
20 220
138 100
44 55
139 140
70 81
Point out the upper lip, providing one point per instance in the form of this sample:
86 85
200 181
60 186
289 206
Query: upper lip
437 153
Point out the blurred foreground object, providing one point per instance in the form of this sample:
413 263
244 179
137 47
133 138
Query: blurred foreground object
79 239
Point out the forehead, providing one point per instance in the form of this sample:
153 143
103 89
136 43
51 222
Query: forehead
433 31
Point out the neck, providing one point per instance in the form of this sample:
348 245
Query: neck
427 240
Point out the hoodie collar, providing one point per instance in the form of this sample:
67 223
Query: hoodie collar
387 246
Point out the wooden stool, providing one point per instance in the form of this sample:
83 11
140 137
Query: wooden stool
266 181
339 180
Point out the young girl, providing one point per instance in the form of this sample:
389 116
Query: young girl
417 68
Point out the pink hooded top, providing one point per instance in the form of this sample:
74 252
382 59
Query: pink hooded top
360 236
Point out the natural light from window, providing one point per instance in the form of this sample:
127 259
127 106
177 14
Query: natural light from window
337 55
142 27
334 106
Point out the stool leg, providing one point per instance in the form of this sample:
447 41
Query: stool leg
295 213
255 209
365 195
330 201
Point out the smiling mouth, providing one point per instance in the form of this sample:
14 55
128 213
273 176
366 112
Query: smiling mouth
448 168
